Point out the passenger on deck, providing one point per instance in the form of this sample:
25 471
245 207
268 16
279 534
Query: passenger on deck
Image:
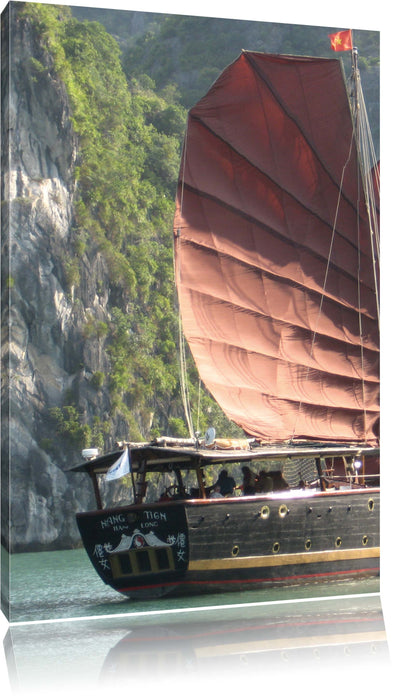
248 485
279 483
216 493
226 484
265 482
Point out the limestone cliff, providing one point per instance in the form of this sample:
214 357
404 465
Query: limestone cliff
45 354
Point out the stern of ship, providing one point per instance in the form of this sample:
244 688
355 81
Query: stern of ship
141 551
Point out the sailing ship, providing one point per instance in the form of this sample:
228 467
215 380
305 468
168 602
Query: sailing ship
276 265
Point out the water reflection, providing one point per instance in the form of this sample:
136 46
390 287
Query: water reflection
260 641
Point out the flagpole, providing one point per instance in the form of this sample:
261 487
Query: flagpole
354 66
132 475
354 55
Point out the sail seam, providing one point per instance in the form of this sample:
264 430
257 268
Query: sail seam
230 346
308 404
323 295
281 321
283 280
290 116
328 262
263 225
271 179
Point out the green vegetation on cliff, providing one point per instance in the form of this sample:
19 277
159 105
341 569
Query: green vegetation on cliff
130 137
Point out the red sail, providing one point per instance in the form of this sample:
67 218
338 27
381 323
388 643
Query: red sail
273 261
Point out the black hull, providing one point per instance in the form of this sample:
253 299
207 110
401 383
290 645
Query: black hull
246 581
190 547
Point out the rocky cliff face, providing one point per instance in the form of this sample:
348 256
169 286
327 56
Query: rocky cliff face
45 353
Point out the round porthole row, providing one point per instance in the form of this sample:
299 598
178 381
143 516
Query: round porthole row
235 551
365 540
338 542
371 504
276 547
283 510
308 544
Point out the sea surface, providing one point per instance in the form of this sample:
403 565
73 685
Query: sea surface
71 634
63 584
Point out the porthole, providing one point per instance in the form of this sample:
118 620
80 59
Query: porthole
276 547
235 550
265 512
365 540
283 510
308 544
371 504
338 542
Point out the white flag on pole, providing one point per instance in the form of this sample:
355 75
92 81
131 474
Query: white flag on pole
120 468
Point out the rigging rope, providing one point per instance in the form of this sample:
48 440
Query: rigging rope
323 294
182 344
368 171
361 335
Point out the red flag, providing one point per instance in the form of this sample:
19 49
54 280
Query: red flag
342 41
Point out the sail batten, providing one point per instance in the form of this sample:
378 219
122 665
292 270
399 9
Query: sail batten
281 187
342 319
309 369
297 122
220 313
268 207
257 167
249 217
272 253
316 288
267 411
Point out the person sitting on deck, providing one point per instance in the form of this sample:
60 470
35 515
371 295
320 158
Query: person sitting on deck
279 483
225 482
265 482
216 493
248 485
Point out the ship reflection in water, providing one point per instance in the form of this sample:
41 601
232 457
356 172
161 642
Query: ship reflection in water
345 634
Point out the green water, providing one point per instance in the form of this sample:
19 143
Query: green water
89 641
61 585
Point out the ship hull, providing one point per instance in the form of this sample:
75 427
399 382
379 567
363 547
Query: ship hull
195 546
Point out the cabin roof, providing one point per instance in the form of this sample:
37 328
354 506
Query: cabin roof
159 457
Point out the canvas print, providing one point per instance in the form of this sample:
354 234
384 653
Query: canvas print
190 312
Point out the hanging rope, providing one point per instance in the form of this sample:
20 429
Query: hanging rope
369 180
181 338
323 294
183 381
331 243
